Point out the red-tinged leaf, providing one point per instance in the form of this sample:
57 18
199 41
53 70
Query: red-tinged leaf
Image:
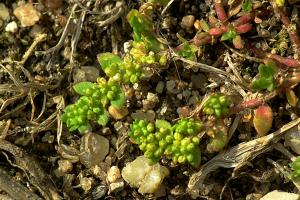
244 19
244 28
218 31
291 97
262 120
222 16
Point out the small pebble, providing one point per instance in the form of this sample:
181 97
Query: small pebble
65 166
93 149
171 85
4 13
117 113
160 87
147 178
86 183
187 22
113 174
27 14
11 27
99 191
116 187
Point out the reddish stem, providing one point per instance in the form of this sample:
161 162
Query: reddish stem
289 62
222 16
252 103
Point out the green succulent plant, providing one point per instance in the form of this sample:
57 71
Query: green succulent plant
178 142
295 166
217 104
91 105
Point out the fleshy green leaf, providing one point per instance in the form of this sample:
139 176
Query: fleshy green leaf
229 35
266 79
263 83
108 59
247 6
81 87
120 100
73 128
204 25
267 70
162 124
140 23
143 30
103 118
187 51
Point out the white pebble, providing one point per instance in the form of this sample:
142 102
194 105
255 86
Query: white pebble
11 27
146 177
113 174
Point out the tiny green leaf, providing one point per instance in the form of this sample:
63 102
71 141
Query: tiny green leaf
103 118
247 6
120 100
267 70
81 87
188 51
162 124
83 128
204 25
229 35
108 59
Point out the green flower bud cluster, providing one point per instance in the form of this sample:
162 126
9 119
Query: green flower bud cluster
144 134
141 54
178 142
296 169
123 71
133 71
216 104
91 106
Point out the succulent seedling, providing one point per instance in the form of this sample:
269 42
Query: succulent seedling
266 78
217 105
178 142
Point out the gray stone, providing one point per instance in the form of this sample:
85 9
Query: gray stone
93 149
